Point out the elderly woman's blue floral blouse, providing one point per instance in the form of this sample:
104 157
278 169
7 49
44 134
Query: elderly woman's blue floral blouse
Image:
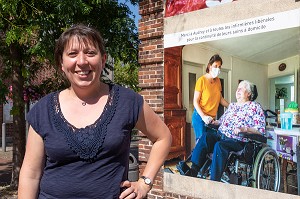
250 115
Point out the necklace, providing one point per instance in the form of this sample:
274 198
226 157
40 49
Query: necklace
84 103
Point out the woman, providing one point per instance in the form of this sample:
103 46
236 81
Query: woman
245 115
79 138
207 96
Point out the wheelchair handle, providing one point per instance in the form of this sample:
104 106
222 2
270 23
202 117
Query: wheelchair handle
212 126
274 115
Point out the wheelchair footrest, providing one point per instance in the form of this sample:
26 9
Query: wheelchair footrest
204 171
183 168
235 179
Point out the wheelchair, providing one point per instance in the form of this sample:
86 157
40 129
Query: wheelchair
257 165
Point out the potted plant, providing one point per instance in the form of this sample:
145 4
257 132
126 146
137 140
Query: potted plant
281 93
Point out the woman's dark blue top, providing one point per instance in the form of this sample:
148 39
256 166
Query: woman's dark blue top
88 162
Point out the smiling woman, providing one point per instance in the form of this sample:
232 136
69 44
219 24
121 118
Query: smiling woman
80 136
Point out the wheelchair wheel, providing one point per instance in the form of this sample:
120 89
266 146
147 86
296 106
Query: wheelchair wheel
266 170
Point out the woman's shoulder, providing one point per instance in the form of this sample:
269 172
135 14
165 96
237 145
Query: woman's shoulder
44 100
123 89
124 92
126 97
40 108
255 103
232 104
256 106
202 78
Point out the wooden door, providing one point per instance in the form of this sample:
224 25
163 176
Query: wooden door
174 113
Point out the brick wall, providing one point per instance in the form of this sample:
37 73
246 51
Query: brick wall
151 73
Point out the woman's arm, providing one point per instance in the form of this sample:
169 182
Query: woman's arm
196 100
32 167
223 102
249 130
159 134
151 125
197 96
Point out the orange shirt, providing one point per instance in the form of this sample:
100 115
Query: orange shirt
210 95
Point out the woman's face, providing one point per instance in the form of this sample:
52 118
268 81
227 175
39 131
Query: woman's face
82 63
214 69
242 95
216 64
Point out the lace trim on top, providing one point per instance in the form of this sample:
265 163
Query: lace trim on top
85 142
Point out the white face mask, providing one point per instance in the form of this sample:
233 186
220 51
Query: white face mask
215 72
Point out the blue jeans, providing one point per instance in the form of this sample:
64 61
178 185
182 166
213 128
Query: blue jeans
220 155
204 146
198 125
220 146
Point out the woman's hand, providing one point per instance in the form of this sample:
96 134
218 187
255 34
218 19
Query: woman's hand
215 122
207 119
241 129
136 189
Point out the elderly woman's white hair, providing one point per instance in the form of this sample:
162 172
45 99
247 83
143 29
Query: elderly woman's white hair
251 88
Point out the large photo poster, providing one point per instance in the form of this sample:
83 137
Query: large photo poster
254 40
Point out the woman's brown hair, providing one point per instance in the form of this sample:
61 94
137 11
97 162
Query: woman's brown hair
214 58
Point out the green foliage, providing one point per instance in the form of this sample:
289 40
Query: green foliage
126 75
34 25
28 31
281 93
